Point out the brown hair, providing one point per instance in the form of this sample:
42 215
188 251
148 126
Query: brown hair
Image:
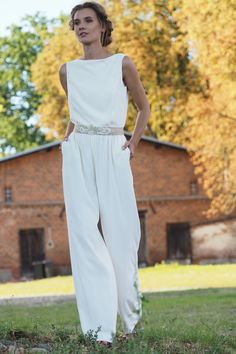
102 18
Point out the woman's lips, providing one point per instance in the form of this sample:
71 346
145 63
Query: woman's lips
83 34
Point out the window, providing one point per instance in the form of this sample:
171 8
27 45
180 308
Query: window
178 240
193 188
8 194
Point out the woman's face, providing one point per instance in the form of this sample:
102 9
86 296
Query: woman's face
85 20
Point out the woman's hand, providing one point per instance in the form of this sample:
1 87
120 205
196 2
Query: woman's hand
131 146
64 139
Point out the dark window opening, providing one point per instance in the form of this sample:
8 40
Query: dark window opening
178 241
193 188
8 194
31 249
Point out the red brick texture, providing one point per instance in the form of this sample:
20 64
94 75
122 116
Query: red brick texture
162 177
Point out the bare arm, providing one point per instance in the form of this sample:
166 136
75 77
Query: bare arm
132 81
63 80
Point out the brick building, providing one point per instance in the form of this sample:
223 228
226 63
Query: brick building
170 203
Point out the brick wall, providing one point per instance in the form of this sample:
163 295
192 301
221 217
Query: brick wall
162 177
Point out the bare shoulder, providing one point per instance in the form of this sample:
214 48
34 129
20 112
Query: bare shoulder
129 68
130 72
62 77
127 62
62 70
131 79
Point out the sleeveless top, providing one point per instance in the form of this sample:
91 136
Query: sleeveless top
96 92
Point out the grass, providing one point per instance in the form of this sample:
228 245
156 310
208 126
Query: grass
160 277
199 320
192 321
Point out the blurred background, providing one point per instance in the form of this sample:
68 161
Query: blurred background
185 167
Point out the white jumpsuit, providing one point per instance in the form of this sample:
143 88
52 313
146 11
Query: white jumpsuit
98 183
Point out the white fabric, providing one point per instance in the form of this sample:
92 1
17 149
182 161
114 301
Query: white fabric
98 181
96 92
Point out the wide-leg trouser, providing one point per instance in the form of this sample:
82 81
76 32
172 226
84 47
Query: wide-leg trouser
98 182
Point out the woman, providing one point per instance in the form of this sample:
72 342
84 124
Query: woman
97 177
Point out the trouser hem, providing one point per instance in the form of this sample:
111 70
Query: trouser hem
131 329
107 336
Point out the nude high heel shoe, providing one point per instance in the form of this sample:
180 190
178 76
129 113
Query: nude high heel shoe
105 343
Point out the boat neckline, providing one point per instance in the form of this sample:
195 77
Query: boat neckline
110 56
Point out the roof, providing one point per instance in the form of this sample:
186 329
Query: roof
53 144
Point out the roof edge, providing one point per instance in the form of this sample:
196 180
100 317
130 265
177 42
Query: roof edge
56 143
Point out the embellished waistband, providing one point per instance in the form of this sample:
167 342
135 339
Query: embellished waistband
91 129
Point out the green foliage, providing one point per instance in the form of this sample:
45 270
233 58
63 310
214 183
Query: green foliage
19 99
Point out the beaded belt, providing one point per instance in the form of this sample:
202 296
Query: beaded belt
91 129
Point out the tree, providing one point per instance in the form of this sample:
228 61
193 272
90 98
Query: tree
19 99
185 54
151 37
210 32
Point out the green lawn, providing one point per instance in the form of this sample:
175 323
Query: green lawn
200 320
192 321
160 277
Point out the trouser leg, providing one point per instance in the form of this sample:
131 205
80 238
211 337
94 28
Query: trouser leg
92 269
120 224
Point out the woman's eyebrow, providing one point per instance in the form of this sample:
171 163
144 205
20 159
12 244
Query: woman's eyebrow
76 19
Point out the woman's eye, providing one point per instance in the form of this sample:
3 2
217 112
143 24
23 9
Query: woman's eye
77 23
